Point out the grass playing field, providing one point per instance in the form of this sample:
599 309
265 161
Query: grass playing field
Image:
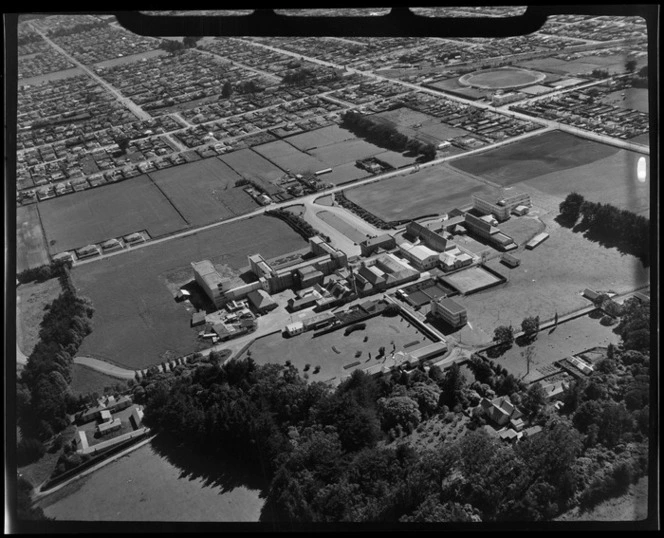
95 215
434 190
31 247
136 318
204 191
532 157
319 138
501 78
253 166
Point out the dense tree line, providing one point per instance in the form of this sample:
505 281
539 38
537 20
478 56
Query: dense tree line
631 232
640 79
43 394
43 272
384 135
298 224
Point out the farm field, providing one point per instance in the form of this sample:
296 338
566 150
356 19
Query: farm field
152 484
434 190
250 165
611 179
204 191
31 247
288 157
319 138
381 331
136 319
31 301
92 216
85 380
552 345
551 279
535 156
342 226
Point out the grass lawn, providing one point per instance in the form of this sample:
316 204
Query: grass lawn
288 157
551 279
434 190
136 319
346 172
95 215
32 299
204 191
31 247
552 345
250 165
333 351
152 485
532 157
342 226
611 179
85 380
319 138
347 151
635 98
55 75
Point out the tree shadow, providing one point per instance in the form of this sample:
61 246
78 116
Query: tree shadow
215 470
565 222
525 339
497 351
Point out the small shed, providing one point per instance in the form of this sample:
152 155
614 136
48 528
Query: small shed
198 318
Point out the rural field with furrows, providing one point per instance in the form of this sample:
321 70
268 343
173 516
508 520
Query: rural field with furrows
294 282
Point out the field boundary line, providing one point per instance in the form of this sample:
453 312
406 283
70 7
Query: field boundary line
167 198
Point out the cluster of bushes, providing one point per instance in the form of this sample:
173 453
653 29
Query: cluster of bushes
384 135
173 46
43 273
353 328
631 232
298 224
640 80
340 197
43 394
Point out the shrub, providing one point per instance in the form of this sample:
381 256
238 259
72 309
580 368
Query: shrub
28 450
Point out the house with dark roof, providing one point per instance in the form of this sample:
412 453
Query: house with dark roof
501 410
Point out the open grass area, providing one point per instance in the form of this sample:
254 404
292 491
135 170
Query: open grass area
434 190
319 138
634 98
32 299
204 191
131 58
551 279
333 351
288 157
345 152
553 151
505 77
31 247
55 75
346 172
85 380
157 484
341 225
136 319
453 86
95 215
611 179
555 344
250 165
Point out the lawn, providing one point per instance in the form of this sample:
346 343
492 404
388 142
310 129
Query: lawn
319 138
31 248
342 226
289 157
552 345
136 319
320 351
250 165
611 179
635 98
345 152
204 191
434 190
95 215
31 301
535 156
151 484
551 279
85 380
